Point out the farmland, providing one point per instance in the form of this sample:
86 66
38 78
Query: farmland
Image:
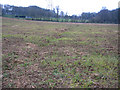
39 54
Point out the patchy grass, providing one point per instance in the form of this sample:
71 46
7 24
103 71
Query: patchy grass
60 55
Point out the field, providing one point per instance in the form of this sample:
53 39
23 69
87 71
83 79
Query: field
39 54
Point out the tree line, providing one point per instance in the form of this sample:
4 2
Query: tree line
41 14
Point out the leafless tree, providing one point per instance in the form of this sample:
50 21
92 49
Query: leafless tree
50 4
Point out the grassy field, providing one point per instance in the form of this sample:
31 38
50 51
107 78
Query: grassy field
64 55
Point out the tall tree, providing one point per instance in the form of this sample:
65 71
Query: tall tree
62 14
57 8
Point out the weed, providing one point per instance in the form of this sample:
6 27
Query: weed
66 54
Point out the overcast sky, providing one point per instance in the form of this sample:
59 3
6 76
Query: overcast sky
69 6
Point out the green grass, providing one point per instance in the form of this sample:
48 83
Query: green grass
59 54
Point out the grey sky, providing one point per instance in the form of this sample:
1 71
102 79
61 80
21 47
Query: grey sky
69 6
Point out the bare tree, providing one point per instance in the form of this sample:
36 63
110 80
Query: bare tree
50 4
